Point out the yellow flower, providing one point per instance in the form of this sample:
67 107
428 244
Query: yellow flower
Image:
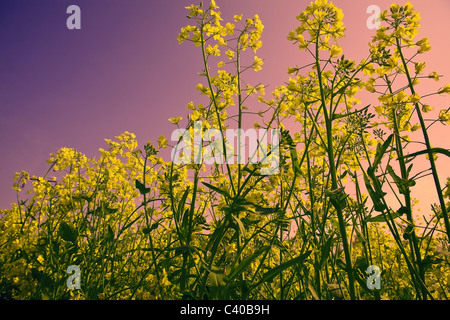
401 95
394 8
419 67
434 75
190 106
261 89
213 50
379 109
230 248
291 36
368 69
292 70
257 64
424 45
194 10
229 27
213 5
222 42
335 50
414 98
444 116
175 120
162 142
230 54
445 89
370 85
220 64
195 115
237 18
249 90
426 108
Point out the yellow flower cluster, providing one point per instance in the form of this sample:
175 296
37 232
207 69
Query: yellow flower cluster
140 227
323 22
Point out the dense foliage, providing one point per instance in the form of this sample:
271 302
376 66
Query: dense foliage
141 227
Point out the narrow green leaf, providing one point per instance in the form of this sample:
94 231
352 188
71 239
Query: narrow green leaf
128 225
216 279
216 189
360 235
240 225
265 211
152 227
182 203
376 199
313 292
445 152
269 275
401 184
182 250
381 217
325 251
381 150
109 236
245 263
292 150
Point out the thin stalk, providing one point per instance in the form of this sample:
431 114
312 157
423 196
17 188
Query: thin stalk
415 250
334 180
208 77
427 143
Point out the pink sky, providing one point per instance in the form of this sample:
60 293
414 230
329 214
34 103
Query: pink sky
124 71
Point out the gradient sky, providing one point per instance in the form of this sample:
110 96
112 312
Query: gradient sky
125 71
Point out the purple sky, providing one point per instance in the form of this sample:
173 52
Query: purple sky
125 71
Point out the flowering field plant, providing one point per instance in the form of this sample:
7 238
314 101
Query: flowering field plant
141 227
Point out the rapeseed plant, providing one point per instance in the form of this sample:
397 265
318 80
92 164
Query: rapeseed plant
141 227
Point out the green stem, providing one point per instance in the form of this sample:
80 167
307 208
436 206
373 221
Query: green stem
334 180
214 101
427 143
415 250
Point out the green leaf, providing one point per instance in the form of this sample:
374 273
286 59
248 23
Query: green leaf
381 150
313 292
341 264
240 225
43 279
109 234
181 204
402 185
286 138
432 150
337 197
245 263
182 250
127 226
216 279
360 235
141 187
67 232
152 227
271 274
216 189
376 198
342 176
382 218
326 251
265 211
